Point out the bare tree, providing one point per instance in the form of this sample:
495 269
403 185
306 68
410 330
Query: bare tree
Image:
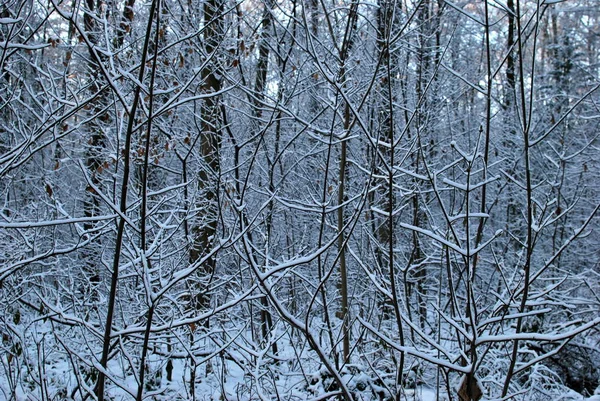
298 199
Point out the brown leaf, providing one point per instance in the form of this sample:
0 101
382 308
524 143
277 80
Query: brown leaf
469 389
49 190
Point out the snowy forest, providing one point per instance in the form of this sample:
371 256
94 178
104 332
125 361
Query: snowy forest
300 200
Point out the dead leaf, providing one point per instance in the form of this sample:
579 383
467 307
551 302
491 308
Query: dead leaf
469 389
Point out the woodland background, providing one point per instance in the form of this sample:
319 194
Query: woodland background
289 200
